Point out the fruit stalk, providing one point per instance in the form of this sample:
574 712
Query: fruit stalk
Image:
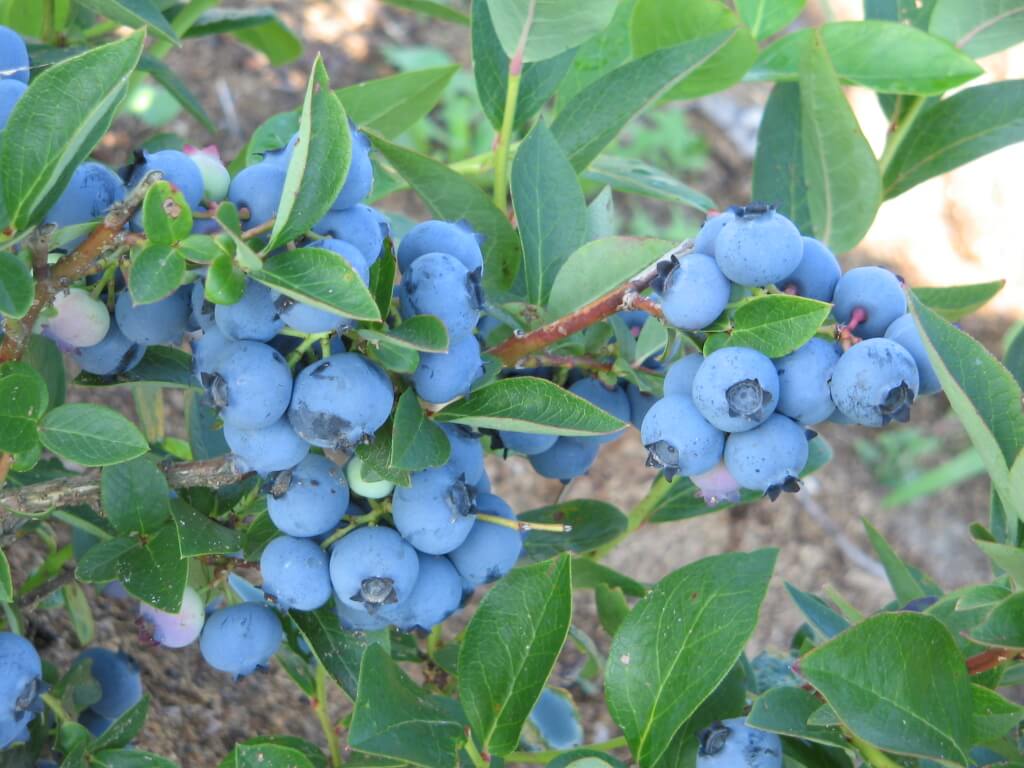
320 705
872 755
508 120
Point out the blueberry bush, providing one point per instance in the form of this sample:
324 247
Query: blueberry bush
346 371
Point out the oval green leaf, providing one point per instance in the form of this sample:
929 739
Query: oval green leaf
135 496
390 105
953 302
639 178
166 217
980 27
416 441
157 271
550 27
779 173
17 288
593 523
1004 626
777 324
424 333
91 435
24 395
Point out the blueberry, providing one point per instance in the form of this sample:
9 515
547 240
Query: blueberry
206 350
81 320
307 319
240 638
95 724
453 238
904 332
252 318
118 678
175 630
639 404
177 168
359 181
368 489
216 179
444 376
202 309
694 293
361 225
734 744
490 550
467 456
736 388
373 567
340 401
10 92
556 721
716 485
758 247
349 252
704 242
435 513
257 188
251 384
295 572
816 275
526 443
21 683
613 400
162 322
436 596
679 379
804 374
568 458
875 382
439 284
93 188
115 354
919 604
877 293
268 449
358 620
13 56
308 500
678 438
768 458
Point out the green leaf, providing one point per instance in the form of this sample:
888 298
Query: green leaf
652 340
135 496
588 574
982 393
91 435
377 459
994 716
266 754
662 23
601 215
43 146
99 563
819 613
424 333
317 277
319 164
599 55
154 572
273 133
904 582
528 404
955 131
777 324
785 710
306 750
203 249
167 366
612 608
125 728
225 282
551 26
43 356
843 182
766 17
589 121
199 535
585 758
25 398
601 266
779 173
953 302
981 27
432 8
17 288
1009 558
679 643
174 85
128 758
881 55
452 197
135 14
166 217
339 651
6 584
394 717
628 175
510 647
79 613
258 28
1004 627
898 681
593 523
391 105
550 210
416 442
157 271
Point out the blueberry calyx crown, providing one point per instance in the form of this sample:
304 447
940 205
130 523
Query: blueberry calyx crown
755 208
664 268
713 738
218 389
664 456
746 399
375 592
790 485
460 499
29 700
896 404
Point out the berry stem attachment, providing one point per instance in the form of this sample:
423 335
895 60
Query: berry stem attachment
320 705
308 342
54 705
478 760
508 120
871 754
522 526
260 229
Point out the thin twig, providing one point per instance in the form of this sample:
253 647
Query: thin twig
30 598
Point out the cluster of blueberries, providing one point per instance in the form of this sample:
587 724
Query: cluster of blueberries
737 419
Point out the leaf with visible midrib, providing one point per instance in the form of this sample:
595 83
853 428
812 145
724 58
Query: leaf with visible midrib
777 324
1004 626
134 496
390 105
416 441
339 651
593 523
134 13
779 159
92 435
980 27
16 286
955 301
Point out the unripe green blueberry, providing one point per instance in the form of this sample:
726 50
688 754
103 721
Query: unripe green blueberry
81 320
216 178
368 490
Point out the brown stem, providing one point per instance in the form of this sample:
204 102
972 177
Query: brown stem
576 361
266 226
30 598
991 659
625 296
6 462
645 304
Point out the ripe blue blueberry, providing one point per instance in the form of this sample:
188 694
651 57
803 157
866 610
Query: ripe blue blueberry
257 188
305 318
736 388
373 567
734 744
768 458
467 456
613 400
556 720
905 333
359 180
694 293
526 443
310 499
80 320
349 252
162 322
568 458
118 678
295 573
436 596
875 295
115 354
679 379
269 449
758 247
361 225
240 638
340 401
95 724
21 683
174 630
804 374
252 318
206 349
358 620
875 382
435 513
177 168
639 404
202 309
251 384
678 439
490 550
444 376
454 238
816 275
704 242
93 188
10 91
13 56
439 284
